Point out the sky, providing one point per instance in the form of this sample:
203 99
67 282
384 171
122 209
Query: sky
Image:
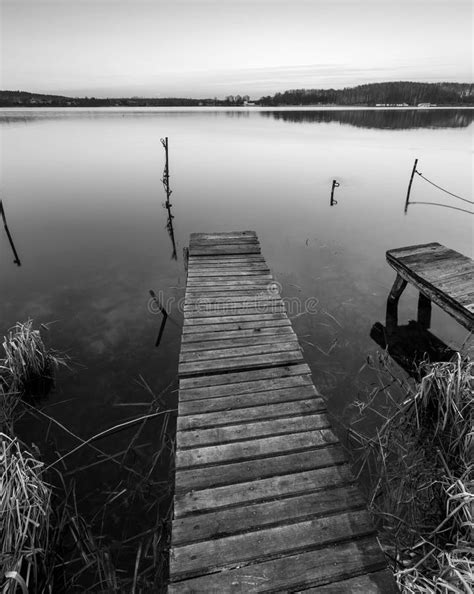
215 48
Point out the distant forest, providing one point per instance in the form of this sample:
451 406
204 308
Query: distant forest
383 94
390 93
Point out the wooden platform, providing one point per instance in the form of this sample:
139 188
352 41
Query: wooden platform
264 498
443 276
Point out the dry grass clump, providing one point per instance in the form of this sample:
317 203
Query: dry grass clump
28 366
25 508
421 479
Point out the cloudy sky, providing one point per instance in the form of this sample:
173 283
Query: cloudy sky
213 48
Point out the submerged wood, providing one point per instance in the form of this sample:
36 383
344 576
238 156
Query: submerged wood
264 497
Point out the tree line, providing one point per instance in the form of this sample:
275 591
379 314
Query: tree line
389 93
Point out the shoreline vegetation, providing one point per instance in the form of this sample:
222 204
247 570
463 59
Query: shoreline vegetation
389 94
46 544
419 471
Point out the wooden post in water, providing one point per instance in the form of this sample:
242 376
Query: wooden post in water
335 184
10 239
409 185
166 172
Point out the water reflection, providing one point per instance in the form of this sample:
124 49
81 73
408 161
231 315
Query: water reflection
388 119
374 118
410 344
16 259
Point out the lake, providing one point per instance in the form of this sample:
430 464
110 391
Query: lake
84 200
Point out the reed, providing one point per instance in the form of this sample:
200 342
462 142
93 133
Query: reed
46 544
25 510
420 468
28 366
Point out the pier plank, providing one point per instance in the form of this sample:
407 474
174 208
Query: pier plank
282 464
318 566
264 497
274 487
226 352
236 401
258 515
268 542
272 427
241 415
253 448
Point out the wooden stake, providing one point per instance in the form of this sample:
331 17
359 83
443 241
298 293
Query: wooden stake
409 185
335 184
10 239
166 172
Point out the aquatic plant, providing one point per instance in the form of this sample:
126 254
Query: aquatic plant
421 477
28 366
25 509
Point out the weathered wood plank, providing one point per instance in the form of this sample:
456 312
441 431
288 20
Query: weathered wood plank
222 294
290 572
258 515
268 386
192 301
227 319
249 470
226 352
230 433
255 324
241 415
229 271
223 310
230 250
229 281
256 339
210 243
271 332
245 233
199 558
273 487
369 583
242 363
228 258
210 293
247 376
253 448
236 401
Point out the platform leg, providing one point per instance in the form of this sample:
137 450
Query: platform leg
424 311
391 318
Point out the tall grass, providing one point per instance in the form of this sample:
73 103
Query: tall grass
46 544
25 510
28 366
420 465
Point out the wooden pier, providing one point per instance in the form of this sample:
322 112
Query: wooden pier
264 497
441 275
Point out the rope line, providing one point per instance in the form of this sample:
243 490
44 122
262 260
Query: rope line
442 189
444 206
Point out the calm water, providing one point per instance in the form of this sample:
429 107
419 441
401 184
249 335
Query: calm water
83 197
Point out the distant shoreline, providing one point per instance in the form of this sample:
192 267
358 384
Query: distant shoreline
239 108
